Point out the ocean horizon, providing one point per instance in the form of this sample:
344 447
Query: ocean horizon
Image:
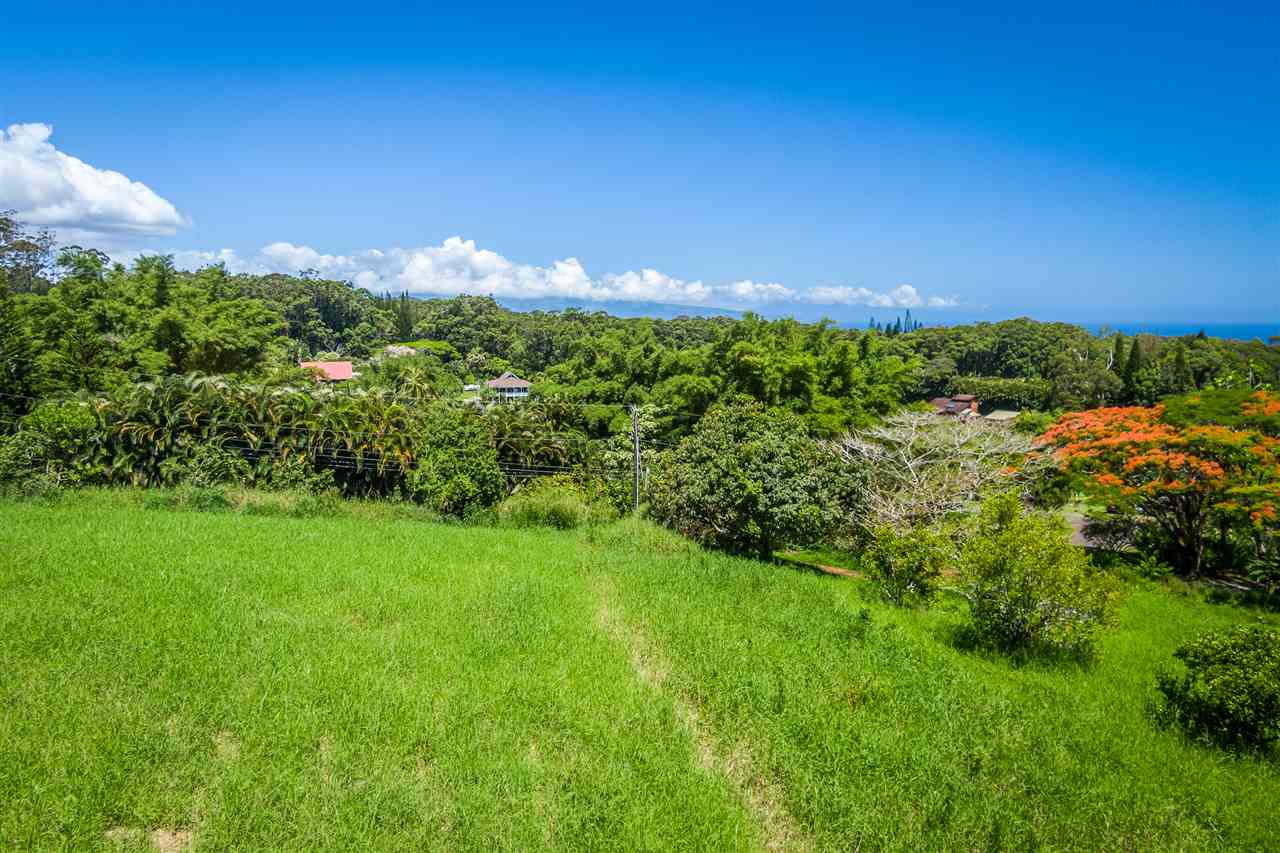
1231 331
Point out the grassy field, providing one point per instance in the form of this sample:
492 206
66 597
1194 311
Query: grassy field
221 681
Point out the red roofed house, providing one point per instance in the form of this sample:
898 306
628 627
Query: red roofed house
963 405
508 386
329 371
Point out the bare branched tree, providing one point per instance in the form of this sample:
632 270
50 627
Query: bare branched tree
924 467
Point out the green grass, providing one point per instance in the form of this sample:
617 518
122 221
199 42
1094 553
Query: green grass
365 682
816 556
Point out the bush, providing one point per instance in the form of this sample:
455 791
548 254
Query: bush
554 502
1149 567
296 474
1264 566
68 427
1029 589
49 450
907 567
749 481
211 465
457 471
1230 692
1112 531
1034 422
21 456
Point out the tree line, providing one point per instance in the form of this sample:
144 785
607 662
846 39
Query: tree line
73 320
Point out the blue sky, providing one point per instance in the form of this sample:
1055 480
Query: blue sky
1087 163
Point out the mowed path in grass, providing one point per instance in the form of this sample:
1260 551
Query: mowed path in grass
221 681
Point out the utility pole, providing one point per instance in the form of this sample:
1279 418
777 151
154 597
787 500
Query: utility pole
635 460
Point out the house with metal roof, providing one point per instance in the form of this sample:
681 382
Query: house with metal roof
962 405
329 371
508 386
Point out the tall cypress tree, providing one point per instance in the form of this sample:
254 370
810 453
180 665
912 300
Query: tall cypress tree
404 317
1132 369
1182 378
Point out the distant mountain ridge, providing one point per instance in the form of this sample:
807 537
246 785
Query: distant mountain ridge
618 308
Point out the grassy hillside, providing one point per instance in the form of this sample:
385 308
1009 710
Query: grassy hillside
229 681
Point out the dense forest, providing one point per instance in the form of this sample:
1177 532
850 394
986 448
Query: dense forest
73 320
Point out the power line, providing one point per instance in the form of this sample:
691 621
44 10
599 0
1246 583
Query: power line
545 401
231 422
359 461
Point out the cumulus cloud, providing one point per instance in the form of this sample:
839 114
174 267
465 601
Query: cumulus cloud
460 266
902 296
53 189
750 291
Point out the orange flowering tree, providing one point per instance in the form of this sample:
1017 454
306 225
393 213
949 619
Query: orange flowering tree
1178 476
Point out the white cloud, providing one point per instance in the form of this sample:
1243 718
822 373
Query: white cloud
902 296
291 257
750 291
459 266
53 189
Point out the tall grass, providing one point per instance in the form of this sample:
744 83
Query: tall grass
350 683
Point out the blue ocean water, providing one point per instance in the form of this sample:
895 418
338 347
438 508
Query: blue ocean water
1234 331
856 317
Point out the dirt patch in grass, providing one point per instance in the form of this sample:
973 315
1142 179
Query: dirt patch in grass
226 745
325 750
762 797
161 839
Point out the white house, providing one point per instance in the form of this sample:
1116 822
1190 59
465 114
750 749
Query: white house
508 386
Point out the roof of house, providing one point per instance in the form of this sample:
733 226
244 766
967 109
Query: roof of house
508 380
1002 415
329 371
954 405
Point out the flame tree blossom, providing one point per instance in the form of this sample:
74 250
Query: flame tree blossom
1179 476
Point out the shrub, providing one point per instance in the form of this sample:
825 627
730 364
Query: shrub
1112 531
1028 588
68 427
1264 566
49 450
749 481
212 465
1230 692
554 502
1034 422
457 472
907 567
1151 568
295 474
22 455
